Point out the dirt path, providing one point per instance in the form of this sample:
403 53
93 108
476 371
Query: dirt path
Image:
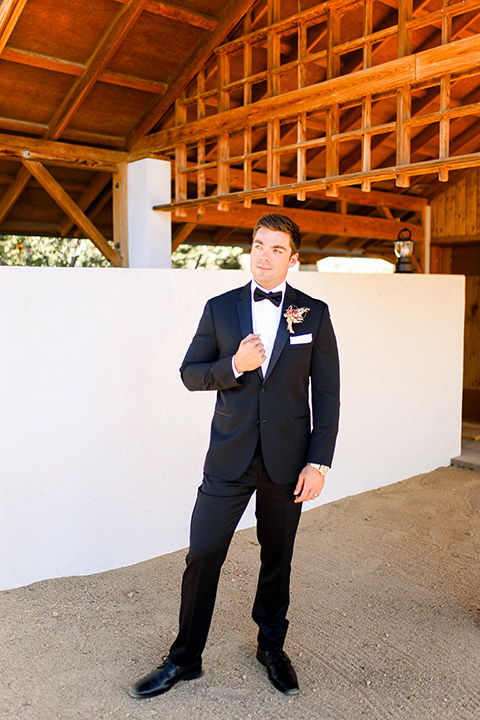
383 622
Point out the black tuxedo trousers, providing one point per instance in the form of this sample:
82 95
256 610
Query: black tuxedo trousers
264 431
219 507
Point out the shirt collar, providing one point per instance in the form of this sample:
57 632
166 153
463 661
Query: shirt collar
279 288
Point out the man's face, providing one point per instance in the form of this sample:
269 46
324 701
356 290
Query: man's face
271 257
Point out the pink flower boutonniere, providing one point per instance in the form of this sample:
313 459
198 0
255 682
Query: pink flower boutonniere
295 315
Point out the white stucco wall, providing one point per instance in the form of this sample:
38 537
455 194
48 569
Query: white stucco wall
102 446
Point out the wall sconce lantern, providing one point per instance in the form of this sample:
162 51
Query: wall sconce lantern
403 247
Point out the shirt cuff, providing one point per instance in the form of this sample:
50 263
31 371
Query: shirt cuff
235 371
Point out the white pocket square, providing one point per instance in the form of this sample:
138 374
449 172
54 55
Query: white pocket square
301 339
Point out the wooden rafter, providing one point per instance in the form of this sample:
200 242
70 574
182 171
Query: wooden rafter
106 48
10 11
175 12
45 62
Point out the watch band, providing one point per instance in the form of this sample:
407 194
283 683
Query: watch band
323 469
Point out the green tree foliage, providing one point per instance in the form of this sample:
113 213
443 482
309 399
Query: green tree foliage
212 257
50 252
73 252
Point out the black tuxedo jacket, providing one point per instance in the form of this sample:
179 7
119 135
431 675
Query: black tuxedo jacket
275 408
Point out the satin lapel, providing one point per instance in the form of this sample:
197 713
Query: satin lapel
244 309
282 333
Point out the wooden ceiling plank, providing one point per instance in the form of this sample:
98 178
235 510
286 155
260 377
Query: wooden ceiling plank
10 11
231 15
106 48
55 190
175 12
12 194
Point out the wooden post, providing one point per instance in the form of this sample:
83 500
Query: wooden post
404 94
273 160
444 126
180 157
223 142
427 229
333 112
247 164
120 212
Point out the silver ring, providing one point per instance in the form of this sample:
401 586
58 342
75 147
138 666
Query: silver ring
315 495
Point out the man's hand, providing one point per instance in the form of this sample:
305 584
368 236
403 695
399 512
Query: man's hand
250 354
310 484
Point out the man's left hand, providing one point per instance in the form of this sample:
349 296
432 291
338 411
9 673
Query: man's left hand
310 484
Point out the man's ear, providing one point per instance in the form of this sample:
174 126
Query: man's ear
293 260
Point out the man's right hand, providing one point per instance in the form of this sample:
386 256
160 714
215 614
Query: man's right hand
250 354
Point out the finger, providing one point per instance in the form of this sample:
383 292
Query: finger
299 485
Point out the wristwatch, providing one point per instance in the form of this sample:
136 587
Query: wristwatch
321 468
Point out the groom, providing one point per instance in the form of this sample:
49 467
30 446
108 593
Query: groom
259 347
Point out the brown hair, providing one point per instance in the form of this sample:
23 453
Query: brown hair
273 221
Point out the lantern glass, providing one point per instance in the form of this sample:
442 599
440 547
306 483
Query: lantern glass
403 248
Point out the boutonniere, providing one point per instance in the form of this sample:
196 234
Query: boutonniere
295 315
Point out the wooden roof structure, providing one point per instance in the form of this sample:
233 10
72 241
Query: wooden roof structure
348 115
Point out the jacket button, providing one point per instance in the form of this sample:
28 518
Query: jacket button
264 389
258 422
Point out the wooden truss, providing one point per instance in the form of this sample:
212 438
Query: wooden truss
292 104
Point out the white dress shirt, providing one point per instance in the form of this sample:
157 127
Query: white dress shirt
265 320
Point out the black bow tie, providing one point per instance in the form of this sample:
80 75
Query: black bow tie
275 298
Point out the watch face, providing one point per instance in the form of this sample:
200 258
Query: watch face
324 469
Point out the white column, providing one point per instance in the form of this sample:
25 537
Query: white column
149 231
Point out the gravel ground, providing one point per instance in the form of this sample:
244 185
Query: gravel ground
384 622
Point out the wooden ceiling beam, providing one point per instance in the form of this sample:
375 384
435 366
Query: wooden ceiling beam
60 153
12 193
180 235
324 223
106 48
44 62
349 194
55 190
457 56
87 198
182 14
10 11
231 15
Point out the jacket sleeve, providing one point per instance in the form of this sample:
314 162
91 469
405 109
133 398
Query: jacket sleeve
203 368
325 384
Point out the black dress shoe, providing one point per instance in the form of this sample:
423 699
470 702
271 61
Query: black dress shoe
280 670
163 678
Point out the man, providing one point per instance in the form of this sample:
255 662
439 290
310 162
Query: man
259 347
